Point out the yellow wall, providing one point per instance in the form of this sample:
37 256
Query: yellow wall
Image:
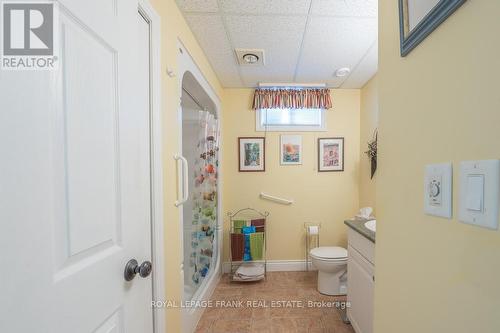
440 103
174 27
327 197
368 124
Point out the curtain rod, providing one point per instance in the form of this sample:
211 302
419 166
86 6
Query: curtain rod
298 85
194 99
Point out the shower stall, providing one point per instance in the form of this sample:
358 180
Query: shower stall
200 147
199 195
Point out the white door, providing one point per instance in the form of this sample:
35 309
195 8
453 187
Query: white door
75 180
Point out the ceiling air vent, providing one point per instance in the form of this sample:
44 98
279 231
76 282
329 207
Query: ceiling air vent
250 57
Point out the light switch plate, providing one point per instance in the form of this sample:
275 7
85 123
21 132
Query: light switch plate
438 190
479 193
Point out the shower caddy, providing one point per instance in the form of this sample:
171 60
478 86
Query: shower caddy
247 214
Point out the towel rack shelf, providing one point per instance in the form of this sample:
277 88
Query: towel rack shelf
248 257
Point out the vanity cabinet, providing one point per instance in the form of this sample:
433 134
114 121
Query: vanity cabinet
361 280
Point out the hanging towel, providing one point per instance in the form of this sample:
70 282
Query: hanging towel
256 245
237 246
238 225
247 231
246 253
259 224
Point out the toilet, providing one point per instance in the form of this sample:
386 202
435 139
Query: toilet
331 262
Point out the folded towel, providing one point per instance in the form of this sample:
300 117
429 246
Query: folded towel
256 245
259 224
237 246
249 272
238 225
247 279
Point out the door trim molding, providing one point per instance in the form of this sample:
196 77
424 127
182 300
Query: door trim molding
157 230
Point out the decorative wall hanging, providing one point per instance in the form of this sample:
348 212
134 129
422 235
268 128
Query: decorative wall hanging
291 150
292 98
372 153
252 154
330 154
418 18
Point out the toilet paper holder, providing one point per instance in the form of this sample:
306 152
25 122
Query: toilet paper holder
312 239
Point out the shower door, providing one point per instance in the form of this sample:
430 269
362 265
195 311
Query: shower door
200 148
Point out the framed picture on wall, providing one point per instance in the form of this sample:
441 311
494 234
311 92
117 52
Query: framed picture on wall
418 18
330 154
252 155
291 150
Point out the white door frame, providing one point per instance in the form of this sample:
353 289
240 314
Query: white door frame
157 245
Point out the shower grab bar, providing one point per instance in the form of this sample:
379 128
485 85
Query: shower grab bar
183 181
275 199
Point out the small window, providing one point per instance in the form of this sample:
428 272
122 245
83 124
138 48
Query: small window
281 120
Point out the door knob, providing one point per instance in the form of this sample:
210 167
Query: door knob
132 268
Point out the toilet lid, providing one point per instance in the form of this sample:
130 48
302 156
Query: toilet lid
329 252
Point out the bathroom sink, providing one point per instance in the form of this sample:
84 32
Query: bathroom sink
371 225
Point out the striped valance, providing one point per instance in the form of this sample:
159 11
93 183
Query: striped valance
292 99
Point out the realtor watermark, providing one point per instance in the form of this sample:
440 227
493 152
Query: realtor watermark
30 35
234 304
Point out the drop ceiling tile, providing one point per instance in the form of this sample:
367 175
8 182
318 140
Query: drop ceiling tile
333 43
332 82
207 6
277 26
282 7
345 7
365 69
263 31
279 36
252 76
210 33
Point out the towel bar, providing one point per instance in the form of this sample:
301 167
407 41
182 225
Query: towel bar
275 199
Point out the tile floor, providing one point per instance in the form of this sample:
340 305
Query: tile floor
281 303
